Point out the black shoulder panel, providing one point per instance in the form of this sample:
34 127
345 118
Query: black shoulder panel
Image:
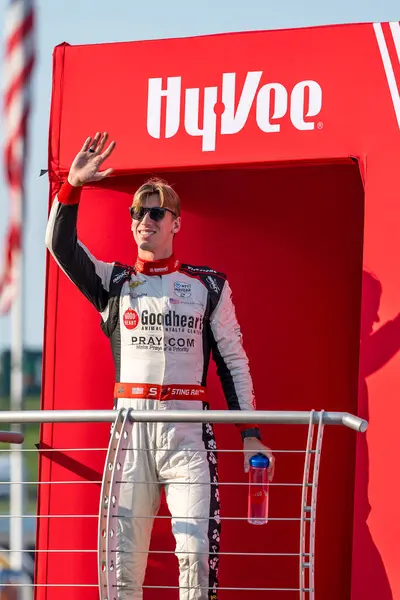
213 280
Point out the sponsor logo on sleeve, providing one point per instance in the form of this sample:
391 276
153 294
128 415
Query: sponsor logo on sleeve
212 282
123 275
199 269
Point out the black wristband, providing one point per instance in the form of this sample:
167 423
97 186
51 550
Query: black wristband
252 432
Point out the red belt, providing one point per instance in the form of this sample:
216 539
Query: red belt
159 392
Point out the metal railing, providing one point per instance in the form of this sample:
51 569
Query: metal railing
114 464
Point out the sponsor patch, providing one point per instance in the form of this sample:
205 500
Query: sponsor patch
183 290
131 319
135 283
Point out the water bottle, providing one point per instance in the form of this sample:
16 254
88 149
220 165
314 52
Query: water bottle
257 508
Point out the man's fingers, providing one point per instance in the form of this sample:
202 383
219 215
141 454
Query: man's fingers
93 145
86 144
102 174
106 173
271 468
246 464
102 142
109 150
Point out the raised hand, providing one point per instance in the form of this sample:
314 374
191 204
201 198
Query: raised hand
87 162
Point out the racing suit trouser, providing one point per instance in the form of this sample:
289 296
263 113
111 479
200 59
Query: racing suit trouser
181 457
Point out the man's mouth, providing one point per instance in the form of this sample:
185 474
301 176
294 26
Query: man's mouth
146 233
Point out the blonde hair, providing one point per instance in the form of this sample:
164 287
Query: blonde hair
167 195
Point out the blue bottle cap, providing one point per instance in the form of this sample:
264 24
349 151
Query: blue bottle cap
259 461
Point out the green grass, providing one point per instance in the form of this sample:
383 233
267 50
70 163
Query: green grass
31 434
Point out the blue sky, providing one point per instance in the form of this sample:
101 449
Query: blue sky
96 21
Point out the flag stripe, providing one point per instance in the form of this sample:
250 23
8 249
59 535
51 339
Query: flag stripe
16 62
19 64
20 102
20 34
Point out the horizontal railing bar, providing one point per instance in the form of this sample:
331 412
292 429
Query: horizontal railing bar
144 517
213 553
52 585
3 516
84 481
69 551
232 589
191 483
187 416
197 450
206 518
218 450
150 587
48 482
65 551
55 449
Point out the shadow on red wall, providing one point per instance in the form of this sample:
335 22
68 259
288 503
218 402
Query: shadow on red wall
378 347
290 240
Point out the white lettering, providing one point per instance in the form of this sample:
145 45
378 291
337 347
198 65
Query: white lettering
298 111
209 129
232 122
268 109
173 106
273 102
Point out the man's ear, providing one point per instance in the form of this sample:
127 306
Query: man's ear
176 225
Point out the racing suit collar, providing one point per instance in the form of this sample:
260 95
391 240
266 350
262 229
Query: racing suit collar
157 267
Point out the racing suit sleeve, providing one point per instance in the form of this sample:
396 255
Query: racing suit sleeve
231 359
91 276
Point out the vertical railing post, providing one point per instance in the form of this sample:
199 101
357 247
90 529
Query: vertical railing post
309 508
314 493
109 504
305 555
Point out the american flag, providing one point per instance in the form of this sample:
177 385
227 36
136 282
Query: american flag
19 59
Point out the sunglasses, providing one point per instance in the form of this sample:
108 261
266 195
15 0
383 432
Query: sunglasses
157 213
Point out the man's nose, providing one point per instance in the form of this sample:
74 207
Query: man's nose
146 219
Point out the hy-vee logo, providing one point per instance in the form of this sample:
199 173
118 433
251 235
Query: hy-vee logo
273 101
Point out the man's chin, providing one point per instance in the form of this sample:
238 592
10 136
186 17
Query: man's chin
148 246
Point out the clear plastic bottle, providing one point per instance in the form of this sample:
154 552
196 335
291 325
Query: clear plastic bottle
257 509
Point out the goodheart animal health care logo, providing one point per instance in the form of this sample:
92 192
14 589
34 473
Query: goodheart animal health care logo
273 101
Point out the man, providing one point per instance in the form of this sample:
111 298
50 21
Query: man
164 319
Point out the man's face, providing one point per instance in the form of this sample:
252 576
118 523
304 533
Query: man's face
154 236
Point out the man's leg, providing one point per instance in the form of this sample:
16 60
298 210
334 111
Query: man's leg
193 500
138 504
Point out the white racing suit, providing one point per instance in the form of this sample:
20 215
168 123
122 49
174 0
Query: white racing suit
164 320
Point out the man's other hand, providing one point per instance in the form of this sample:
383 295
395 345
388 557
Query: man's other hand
252 446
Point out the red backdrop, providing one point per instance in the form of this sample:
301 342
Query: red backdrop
296 224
